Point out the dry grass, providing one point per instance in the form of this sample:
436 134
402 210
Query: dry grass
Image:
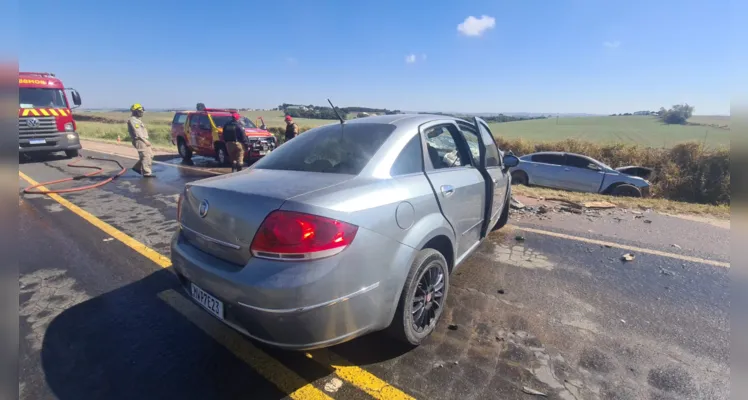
661 205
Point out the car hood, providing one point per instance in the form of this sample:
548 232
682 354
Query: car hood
257 132
641 172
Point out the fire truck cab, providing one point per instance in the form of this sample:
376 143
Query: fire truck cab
200 132
45 120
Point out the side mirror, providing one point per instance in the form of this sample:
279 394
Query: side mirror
594 167
76 98
510 161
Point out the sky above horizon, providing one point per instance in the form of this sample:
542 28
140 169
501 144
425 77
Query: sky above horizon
561 56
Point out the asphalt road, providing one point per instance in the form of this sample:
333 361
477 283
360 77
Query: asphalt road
556 314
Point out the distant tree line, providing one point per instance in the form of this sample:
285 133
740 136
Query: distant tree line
678 114
492 118
321 112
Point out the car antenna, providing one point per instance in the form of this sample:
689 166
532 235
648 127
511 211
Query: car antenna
336 111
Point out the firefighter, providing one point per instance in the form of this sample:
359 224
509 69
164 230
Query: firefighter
292 130
234 137
139 136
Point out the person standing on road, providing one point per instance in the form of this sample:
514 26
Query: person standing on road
139 136
292 130
234 137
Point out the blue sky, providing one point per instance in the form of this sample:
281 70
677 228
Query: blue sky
554 56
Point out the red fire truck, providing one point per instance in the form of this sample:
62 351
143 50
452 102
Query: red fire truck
45 120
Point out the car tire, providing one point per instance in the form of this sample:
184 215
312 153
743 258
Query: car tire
405 326
72 153
504 218
626 190
222 156
184 151
519 178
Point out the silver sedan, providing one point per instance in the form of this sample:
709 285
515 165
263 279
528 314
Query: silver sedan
349 228
580 173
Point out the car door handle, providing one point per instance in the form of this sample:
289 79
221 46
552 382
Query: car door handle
447 190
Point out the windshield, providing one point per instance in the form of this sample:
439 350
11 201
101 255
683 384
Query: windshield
338 149
41 98
247 123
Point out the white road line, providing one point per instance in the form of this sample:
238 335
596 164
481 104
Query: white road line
623 246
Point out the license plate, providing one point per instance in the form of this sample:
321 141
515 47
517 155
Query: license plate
262 152
209 302
37 141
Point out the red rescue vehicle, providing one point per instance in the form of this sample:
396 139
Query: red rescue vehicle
45 120
200 132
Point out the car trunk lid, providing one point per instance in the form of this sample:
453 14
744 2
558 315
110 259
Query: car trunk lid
221 215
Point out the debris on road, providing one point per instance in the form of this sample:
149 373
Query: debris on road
598 204
666 272
628 257
647 221
501 291
439 365
571 210
676 246
108 239
333 385
543 209
452 327
533 391
515 204
519 238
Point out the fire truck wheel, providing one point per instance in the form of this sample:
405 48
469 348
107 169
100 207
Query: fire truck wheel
184 151
222 156
71 153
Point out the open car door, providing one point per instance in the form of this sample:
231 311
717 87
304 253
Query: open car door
491 167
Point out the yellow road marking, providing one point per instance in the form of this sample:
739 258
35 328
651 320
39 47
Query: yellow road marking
146 251
623 246
270 368
356 376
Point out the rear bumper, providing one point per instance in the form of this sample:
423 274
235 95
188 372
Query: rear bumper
304 305
49 143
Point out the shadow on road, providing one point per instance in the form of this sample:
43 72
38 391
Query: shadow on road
128 343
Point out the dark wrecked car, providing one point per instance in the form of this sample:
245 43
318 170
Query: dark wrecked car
575 172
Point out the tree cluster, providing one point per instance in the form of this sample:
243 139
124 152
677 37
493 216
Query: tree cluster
678 114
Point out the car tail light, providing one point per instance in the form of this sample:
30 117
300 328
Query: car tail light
288 235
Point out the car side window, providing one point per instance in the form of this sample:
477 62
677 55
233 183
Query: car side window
580 162
179 118
493 159
553 159
410 160
444 150
204 122
194 120
471 137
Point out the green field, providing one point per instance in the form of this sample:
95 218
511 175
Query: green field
642 130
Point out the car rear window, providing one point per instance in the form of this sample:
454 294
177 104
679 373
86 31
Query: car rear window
336 148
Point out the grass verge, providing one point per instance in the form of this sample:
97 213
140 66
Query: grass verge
661 205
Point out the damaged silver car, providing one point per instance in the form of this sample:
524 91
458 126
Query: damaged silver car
575 172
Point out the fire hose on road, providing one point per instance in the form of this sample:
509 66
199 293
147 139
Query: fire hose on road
74 164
